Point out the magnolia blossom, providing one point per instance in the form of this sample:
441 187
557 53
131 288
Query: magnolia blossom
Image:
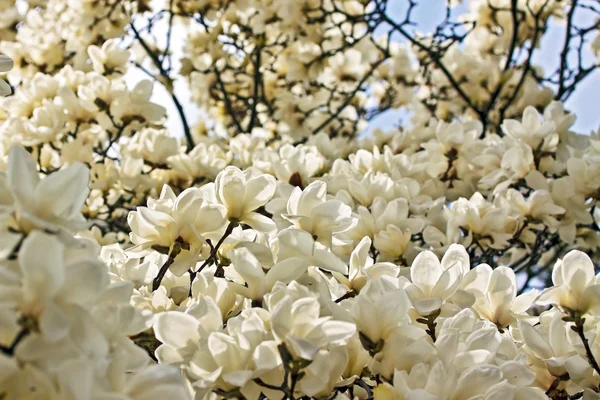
257 283
362 267
535 132
194 203
51 285
311 211
297 324
242 194
495 293
553 350
434 282
53 203
176 226
378 312
109 59
575 285
180 332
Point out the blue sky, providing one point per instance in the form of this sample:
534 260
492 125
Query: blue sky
428 14
583 102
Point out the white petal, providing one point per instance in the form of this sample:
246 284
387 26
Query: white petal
64 192
258 191
426 270
338 332
54 323
477 380
5 88
456 255
230 190
577 270
42 264
176 329
535 341
259 222
329 262
6 63
286 271
85 281
23 177
76 378
428 305
517 373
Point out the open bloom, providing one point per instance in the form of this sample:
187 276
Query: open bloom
310 211
378 312
548 345
297 323
575 286
242 194
175 225
54 282
363 268
53 203
257 282
225 360
434 282
496 295
532 130
181 332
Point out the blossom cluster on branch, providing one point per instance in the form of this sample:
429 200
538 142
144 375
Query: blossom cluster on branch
271 250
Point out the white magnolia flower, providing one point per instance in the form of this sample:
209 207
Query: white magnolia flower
379 310
181 332
135 106
310 211
496 297
53 203
576 288
539 206
434 282
109 59
322 374
532 130
268 252
255 281
154 381
226 361
362 268
291 242
548 345
242 194
203 161
54 282
297 324
176 226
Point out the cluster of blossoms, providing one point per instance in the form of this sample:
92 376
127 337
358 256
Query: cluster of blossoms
270 251
67 326
251 304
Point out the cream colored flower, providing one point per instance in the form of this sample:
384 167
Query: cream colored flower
53 283
496 297
242 194
362 268
576 288
176 226
434 282
311 211
53 203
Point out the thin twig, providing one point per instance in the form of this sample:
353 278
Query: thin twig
186 128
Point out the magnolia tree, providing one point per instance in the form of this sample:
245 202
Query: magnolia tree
274 246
